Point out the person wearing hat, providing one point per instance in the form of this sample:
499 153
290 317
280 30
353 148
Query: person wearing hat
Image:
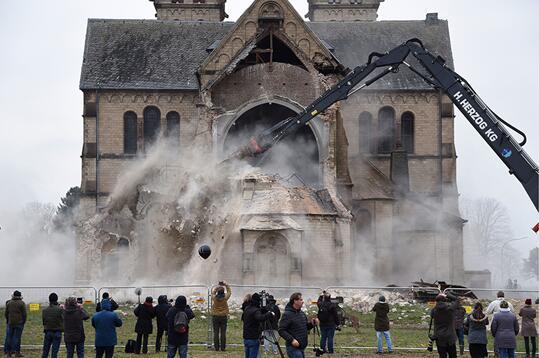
219 314
252 318
53 326
381 324
504 329
145 313
528 330
15 314
494 307
161 317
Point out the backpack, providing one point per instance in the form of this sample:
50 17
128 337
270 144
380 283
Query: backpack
181 322
130 346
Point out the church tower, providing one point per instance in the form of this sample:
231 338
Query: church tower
190 10
343 10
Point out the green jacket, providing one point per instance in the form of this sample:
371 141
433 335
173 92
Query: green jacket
53 318
15 312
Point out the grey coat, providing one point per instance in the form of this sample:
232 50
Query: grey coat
477 329
528 315
505 329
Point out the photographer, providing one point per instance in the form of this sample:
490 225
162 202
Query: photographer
252 318
161 317
443 318
105 297
74 337
381 324
329 321
294 327
219 313
270 326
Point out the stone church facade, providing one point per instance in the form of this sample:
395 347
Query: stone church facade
383 196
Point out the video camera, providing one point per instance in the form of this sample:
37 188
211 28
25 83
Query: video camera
266 299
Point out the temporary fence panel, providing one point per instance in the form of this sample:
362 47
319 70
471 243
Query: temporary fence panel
40 294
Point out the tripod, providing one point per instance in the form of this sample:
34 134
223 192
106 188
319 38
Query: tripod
267 326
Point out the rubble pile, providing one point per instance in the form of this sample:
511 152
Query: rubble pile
364 301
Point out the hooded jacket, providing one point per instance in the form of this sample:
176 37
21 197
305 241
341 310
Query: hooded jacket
145 313
327 313
381 319
252 319
175 338
161 313
73 325
219 305
477 328
105 323
505 328
15 312
294 325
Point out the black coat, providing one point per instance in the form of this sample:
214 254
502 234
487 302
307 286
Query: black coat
161 313
73 325
175 338
113 303
252 321
145 313
443 319
294 325
274 320
381 320
327 314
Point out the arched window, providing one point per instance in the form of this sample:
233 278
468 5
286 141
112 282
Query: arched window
407 131
365 123
173 126
130 132
386 129
152 123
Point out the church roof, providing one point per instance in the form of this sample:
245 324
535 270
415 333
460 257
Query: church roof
165 55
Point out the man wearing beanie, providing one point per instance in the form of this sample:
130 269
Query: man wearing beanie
16 318
53 326
381 324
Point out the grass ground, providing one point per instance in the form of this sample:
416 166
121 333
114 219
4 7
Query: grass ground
409 334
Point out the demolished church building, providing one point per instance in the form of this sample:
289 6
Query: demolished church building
370 190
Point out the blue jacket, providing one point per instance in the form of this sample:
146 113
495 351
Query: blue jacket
175 338
105 323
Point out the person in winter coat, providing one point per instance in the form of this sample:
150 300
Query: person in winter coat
443 318
294 327
329 320
106 296
74 337
460 313
177 341
269 332
381 324
476 323
105 323
528 330
504 329
161 316
144 327
219 314
252 320
15 314
494 307
53 325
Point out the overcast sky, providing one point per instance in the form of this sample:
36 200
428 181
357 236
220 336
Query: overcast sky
495 47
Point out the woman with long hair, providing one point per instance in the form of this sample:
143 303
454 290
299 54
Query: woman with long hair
476 325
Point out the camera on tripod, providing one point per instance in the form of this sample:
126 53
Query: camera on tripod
430 344
318 352
266 299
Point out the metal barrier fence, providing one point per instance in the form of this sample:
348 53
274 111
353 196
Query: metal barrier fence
359 298
40 294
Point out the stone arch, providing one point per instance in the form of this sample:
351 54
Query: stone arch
250 29
291 30
237 45
272 259
305 46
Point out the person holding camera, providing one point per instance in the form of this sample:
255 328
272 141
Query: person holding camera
504 329
106 297
161 317
269 332
294 327
74 337
219 313
145 313
381 324
476 324
443 318
329 321
252 318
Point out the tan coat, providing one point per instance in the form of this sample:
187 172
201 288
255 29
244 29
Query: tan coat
219 306
528 324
